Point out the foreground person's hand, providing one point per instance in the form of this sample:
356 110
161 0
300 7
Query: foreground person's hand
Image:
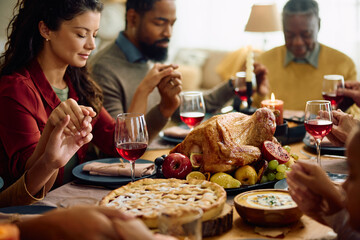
125 229
313 191
90 223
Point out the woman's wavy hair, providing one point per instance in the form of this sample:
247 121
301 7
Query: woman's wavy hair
25 42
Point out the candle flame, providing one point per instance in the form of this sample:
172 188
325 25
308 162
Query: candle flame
272 97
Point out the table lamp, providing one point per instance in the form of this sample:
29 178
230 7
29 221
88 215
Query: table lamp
264 18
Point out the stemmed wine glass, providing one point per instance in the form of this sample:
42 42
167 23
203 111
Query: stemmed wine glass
330 84
131 137
318 121
240 88
192 108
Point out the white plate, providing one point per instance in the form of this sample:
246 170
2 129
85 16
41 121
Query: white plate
282 184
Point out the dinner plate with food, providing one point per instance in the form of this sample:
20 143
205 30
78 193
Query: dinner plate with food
112 171
175 134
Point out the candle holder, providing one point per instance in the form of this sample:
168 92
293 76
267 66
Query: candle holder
249 110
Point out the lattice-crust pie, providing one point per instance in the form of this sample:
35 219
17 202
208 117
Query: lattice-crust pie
146 197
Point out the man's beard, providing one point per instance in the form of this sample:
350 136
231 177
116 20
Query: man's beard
153 52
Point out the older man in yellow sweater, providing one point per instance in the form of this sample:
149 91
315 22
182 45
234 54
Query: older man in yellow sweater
296 70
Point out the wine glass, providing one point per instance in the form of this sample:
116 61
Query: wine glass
330 84
318 121
192 108
131 137
240 86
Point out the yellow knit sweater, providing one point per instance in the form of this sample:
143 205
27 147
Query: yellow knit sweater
297 83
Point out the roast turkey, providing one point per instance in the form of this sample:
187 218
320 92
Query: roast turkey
229 141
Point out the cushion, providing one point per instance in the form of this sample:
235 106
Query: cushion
191 77
191 57
210 77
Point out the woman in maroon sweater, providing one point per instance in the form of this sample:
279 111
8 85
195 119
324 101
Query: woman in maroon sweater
48 45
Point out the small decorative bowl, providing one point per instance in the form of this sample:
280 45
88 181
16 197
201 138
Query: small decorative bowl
267 207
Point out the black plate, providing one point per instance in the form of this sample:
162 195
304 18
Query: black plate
233 191
170 139
109 181
28 209
324 149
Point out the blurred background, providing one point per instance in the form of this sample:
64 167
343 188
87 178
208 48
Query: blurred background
220 25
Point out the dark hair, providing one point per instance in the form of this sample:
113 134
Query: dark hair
140 6
301 7
25 42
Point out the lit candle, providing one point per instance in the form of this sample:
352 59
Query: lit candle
249 65
276 106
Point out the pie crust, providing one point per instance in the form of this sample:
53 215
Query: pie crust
146 197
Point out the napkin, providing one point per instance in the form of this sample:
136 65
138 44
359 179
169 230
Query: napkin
176 132
118 169
279 232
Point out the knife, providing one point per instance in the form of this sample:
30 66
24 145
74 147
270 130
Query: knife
334 156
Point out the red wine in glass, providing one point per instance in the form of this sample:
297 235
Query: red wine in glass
241 93
331 83
318 128
192 119
333 98
131 151
192 108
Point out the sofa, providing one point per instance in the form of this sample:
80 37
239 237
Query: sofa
198 67
206 68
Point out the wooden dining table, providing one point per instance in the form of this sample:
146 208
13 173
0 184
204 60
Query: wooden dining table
306 228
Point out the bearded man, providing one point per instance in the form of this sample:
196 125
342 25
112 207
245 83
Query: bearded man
123 69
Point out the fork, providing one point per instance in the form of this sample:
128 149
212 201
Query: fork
307 155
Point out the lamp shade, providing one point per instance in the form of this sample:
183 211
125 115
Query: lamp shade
263 18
